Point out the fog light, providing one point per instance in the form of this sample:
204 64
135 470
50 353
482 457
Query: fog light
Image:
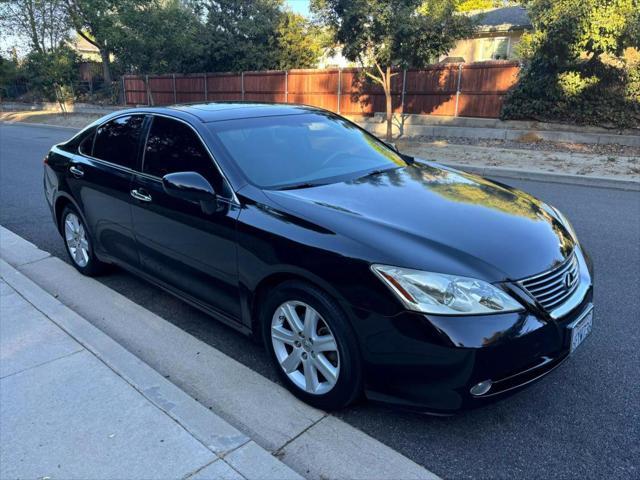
481 388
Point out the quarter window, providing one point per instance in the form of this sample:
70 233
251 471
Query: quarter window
117 141
86 145
173 147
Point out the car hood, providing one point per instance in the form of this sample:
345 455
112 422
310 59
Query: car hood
430 217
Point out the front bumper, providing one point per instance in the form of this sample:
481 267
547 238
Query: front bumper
430 363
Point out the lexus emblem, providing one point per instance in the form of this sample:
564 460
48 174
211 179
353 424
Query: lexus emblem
568 280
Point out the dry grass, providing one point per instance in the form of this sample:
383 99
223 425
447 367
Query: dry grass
529 137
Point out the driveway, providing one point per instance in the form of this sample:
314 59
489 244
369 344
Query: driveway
580 421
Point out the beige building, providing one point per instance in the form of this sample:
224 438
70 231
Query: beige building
85 50
499 30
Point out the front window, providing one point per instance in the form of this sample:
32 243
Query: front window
305 149
173 146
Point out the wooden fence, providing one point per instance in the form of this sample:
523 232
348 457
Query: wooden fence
465 90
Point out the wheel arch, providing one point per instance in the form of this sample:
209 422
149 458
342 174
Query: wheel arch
276 278
62 200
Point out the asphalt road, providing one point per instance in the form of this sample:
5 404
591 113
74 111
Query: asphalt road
581 421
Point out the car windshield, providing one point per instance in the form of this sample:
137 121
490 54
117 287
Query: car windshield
307 149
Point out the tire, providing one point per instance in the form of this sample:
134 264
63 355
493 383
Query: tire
78 243
338 372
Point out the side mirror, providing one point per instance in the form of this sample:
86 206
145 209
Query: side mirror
190 186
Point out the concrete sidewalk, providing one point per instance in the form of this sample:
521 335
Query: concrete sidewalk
171 369
65 413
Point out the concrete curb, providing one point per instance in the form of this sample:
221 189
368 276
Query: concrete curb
497 130
598 182
290 431
32 124
207 427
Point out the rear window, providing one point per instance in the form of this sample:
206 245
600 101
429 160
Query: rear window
282 151
118 140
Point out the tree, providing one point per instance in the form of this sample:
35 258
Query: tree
299 42
98 22
257 35
160 37
52 73
241 34
383 35
44 23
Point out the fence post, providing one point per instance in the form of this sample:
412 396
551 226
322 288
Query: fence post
148 89
286 86
339 87
206 92
175 95
458 89
124 91
242 84
404 88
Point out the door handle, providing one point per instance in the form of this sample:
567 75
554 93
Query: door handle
76 171
140 195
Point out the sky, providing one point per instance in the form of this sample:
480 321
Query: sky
299 6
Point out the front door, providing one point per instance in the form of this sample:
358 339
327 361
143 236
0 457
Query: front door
182 244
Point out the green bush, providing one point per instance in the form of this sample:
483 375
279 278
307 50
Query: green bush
607 97
579 64
52 74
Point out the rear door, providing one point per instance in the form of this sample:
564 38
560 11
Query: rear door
100 177
180 244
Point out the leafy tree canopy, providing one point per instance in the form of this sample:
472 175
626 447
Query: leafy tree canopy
159 37
257 35
299 42
399 33
43 23
383 34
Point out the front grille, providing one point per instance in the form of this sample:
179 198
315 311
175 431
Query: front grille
552 288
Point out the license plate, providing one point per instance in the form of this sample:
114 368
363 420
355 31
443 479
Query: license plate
581 329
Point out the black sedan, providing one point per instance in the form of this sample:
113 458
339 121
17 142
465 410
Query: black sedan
363 270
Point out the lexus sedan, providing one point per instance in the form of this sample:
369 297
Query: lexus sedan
364 271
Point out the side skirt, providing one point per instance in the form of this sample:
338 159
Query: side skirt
185 297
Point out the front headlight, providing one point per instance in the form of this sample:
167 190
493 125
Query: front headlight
443 294
566 223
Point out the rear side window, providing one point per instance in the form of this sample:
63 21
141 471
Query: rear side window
117 141
173 147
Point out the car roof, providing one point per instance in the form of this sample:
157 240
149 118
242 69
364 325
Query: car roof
218 111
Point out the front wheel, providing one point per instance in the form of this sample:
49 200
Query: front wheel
312 345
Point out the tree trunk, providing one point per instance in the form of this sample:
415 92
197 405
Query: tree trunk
106 67
387 94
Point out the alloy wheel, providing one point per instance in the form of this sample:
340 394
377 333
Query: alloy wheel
76 239
305 347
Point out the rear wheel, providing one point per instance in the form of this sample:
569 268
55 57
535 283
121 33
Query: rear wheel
78 243
311 345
